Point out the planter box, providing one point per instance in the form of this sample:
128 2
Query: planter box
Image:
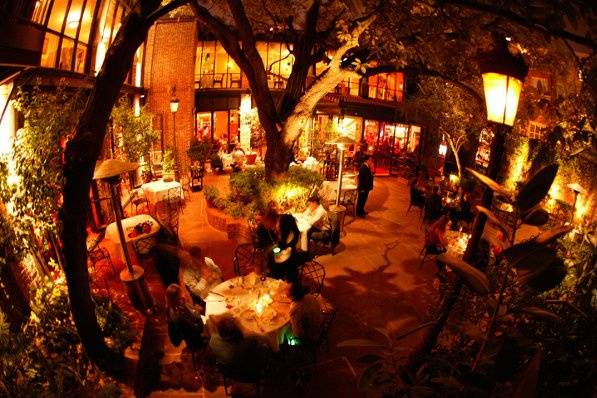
236 229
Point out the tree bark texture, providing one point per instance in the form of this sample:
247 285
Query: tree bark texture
81 154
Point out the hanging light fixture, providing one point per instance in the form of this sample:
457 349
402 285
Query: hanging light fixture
503 76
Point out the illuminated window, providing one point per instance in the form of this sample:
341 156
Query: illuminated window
50 49
536 130
386 86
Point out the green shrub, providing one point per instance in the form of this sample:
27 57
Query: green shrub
46 359
211 193
199 150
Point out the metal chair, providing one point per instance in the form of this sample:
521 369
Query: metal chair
99 254
143 247
312 276
186 188
349 200
247 258
139 201
330 237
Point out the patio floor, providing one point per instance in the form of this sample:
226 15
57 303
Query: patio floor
374 281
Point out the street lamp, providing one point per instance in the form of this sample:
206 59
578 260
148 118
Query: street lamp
503 75
174 102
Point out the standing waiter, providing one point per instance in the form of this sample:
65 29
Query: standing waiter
364 186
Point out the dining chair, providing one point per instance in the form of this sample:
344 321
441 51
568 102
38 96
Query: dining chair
349 200
330 237
247 258
143 247
312 277
98 255
140 202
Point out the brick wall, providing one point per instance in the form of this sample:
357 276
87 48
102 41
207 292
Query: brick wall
169 63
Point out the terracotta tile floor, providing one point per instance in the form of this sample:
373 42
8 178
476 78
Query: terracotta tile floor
374 281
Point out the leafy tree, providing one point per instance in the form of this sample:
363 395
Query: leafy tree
136 133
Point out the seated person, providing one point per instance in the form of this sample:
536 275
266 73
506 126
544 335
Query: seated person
306 318
316 215
433 205
238 158
235 353
436 241
184 320
200 275
283 233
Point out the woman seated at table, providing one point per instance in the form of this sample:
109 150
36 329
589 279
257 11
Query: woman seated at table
306 318
236 353
199 275
184 321
316 215
463 212
278 236
436 241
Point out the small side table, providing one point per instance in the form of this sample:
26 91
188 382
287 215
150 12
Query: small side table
196 182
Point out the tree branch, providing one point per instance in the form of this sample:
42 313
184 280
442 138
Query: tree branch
527 22
160 12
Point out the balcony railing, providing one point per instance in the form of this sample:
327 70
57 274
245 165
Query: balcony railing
235 80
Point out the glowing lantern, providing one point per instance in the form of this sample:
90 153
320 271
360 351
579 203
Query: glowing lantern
503 75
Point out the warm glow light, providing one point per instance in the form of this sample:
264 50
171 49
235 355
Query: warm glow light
443 149
517 165
262 303
72 21
7 124
137 105
501 97
245 121
174 103
454 180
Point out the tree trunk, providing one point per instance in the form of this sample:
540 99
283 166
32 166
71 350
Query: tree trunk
277 159
81 154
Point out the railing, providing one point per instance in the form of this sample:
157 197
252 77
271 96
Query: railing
235 80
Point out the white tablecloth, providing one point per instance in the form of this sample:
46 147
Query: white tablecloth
329 189
157 191
239 296
128 225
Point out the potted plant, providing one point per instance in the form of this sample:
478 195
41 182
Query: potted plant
216 163
168 166
199 151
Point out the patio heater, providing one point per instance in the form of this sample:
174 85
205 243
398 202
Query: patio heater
341 142
577 189
174 102
503 75
133 275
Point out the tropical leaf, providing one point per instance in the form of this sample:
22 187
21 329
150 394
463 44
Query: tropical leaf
360 343
526 387
534 191
369 359
366 380
494 186
553 234
540 312
475 278
536 217
515 255
544 278
495 221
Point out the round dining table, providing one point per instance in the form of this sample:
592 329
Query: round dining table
260 305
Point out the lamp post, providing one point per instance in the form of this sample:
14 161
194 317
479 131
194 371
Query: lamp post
503 76
174 102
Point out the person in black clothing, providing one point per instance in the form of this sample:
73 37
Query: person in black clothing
433 205
279 235
184 321
365 185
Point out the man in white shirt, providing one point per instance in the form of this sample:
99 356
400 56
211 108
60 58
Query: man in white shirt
316 215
